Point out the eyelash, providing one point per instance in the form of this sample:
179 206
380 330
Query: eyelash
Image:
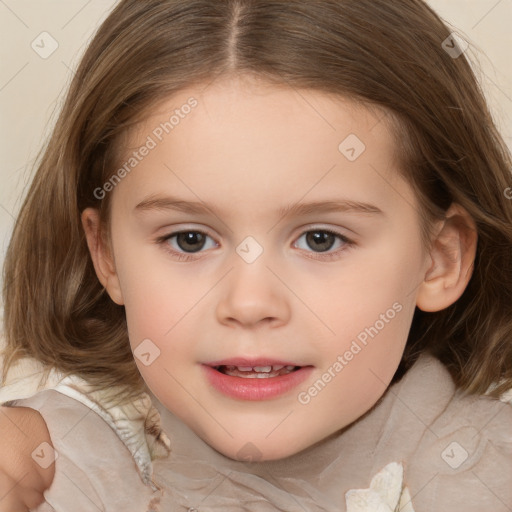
326 256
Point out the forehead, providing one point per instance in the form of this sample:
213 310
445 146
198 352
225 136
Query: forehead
248 135
245 101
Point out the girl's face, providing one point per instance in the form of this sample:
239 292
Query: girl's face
240 239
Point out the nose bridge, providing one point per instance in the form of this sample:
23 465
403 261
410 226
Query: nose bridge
251 292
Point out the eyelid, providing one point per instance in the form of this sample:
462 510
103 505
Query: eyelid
178 231
300 231
185 228
172 230
338 230
348 243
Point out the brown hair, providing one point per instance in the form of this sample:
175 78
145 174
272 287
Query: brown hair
383 54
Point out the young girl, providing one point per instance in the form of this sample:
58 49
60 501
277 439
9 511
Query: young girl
265 264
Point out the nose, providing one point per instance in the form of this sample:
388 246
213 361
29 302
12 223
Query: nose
252 295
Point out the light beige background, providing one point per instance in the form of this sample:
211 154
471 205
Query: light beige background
31 87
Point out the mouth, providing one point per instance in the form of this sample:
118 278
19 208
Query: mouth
256 379
256 372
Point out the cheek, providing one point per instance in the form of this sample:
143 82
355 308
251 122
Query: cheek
157 318
159 322
370 311
365 296
157 293
358 369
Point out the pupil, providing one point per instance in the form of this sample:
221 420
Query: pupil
189 241
323 240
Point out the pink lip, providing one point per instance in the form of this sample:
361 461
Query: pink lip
254 389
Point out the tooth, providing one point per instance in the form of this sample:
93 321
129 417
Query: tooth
260 372
265 369
255 376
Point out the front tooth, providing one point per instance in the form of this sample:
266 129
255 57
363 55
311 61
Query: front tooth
244 368
266 369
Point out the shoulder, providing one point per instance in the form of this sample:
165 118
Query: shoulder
475 456
467 454
456 448
23 432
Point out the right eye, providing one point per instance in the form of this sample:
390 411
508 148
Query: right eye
184 243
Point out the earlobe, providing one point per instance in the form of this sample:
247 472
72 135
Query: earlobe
101 255
453 255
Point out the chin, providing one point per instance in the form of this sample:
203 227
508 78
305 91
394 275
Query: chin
248 451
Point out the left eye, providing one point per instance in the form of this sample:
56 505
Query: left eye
321 240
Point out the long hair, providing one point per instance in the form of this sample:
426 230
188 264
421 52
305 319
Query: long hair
391 55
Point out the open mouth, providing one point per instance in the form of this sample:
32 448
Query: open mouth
256 372
243 379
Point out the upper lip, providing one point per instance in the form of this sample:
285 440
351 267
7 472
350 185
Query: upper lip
260 361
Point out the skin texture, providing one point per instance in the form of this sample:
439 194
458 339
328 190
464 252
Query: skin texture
22 481
247 150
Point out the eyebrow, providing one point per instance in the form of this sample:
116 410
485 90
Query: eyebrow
155 203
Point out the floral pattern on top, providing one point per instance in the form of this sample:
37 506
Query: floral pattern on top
386 493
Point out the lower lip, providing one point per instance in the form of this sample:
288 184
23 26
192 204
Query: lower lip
256 389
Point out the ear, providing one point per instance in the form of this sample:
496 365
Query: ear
102 259
453 256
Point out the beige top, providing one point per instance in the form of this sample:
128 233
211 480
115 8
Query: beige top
422 448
